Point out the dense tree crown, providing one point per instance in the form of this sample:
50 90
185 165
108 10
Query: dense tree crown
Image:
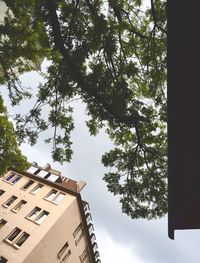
10 155
111 55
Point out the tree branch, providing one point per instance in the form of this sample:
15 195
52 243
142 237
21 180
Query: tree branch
78 76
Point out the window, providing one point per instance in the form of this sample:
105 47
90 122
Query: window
10 176
41 217
64 253
32 170
16 179
37 215
16 239
1 192
51 195
34 213
13 178
66 256
10 201
28 184
13 234
3 260
19 206
36 189
84 257
63 249
58 198
42 173
2 223
55 197
21 239
78 233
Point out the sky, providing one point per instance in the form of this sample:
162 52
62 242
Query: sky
119 238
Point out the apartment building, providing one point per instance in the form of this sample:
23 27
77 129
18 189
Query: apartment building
44 220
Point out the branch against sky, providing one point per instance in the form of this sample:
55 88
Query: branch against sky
112 56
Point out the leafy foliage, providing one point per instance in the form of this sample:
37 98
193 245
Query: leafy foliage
10 154
112 55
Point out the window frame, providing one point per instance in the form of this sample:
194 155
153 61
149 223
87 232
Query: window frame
29 181
12 232
2 192
13 197
3 260
42 213
35 188
2 222
78 233
20 204
37 209
54 198
16 238
49 194
37 216
13 176
63 249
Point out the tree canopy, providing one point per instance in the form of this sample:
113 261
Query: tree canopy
10 154
111 55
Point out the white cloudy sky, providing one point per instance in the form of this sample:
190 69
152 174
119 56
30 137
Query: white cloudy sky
119 238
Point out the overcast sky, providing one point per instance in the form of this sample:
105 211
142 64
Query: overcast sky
119 238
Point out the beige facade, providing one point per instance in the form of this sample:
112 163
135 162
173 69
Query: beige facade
43 219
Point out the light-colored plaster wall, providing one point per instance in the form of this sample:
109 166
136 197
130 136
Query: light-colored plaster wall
60 233
37 232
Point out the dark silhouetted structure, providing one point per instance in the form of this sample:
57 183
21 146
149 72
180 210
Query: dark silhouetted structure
184 115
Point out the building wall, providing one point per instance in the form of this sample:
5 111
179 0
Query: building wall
61 232
47 239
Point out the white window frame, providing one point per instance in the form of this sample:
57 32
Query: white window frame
38 188
13 197
54 197
12 179
29 181
19 205
16 239
41 215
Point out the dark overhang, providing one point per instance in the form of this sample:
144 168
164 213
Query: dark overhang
183 115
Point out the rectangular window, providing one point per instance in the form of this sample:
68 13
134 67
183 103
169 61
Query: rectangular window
42 173
28 184
13 178
34 213
19 206
66 256
37 216
16 179
10 176
84 257
51 195
2 223
58 198
1 192
17 237
13 234
63 249
42 216
78 233
55 197
32 170
36 189
21 239
10 201
3 260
